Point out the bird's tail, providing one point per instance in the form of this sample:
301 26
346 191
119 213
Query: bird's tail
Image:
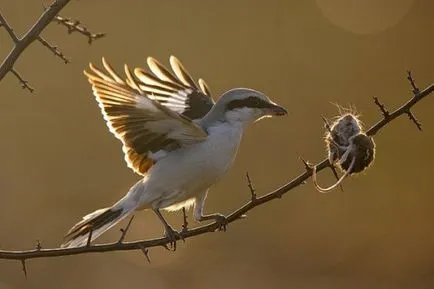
97 223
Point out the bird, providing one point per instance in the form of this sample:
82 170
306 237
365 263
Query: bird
174 135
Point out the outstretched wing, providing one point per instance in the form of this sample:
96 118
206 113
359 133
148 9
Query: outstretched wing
176 91
147 129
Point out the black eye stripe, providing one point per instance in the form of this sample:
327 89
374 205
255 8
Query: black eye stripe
251 101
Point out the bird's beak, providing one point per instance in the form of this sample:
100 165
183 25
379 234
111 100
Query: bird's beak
277 110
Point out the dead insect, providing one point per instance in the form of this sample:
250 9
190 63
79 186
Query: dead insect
348 147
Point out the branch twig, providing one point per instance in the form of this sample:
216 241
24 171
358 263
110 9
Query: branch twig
381 107
8 28
53 49
124 231
75 26
24 83
20 44
144 245
251 187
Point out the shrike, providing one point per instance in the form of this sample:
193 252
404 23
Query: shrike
173 134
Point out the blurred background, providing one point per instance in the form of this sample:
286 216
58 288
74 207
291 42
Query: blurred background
59 161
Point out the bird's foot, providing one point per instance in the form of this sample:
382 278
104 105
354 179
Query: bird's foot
221 221
172 236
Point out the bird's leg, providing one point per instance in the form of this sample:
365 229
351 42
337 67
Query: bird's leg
169 232
200 217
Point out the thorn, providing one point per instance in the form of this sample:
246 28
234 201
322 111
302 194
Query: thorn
381 107
38 245
414 119
145 252
329 129
166 247
326 124
185 222
89 239
335 173
23 263
412 81
251 187
24 83
124 231
306 164
53 49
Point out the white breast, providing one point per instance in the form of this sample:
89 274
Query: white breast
190 171
222 146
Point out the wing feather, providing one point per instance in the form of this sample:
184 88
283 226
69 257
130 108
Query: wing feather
181 72
176 91
143 124
161 72
204 87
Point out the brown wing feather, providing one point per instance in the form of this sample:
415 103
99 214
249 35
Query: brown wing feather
181 72
143 125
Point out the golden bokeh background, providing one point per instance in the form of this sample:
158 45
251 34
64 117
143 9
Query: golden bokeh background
59 162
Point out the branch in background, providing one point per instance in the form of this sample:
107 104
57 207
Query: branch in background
24 83
8 28
21 44
254 201
53 49
75 25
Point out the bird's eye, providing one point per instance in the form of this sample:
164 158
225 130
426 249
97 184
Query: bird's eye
255 101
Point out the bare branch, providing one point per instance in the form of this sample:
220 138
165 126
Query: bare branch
381 107
124 231
24 83
401 110
8 28
412 81
20 44
251 187
144 245
414 120
30 36
75 26
53 49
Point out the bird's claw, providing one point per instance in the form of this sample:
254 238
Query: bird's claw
172 236
221 221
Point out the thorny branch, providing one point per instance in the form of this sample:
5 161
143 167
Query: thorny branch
20 44
24 83
239 213
53 49
75 26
